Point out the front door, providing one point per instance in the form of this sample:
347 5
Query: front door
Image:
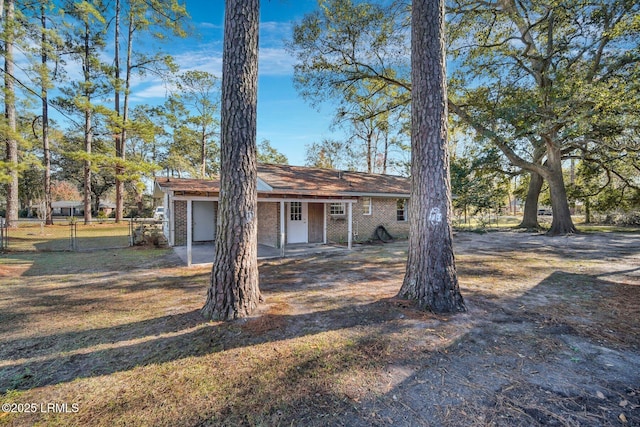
204 221
297 218
316 222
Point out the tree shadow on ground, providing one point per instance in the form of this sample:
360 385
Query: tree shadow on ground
538 358
188 335
533 360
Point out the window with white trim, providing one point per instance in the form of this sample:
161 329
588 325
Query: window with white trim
336 209
401 210
296 211
366 206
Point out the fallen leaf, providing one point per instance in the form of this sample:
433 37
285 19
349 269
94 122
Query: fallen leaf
600 395
622 418
623 403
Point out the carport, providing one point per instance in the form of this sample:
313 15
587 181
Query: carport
203 254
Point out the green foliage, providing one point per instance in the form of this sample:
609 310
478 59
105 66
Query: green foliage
268 154
552 74
477 182
199 94
602 191
330 154
356 54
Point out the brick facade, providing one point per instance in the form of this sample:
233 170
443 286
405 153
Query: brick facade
383 212
268 223
180 222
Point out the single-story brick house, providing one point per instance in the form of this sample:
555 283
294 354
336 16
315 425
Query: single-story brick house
67 208
295 205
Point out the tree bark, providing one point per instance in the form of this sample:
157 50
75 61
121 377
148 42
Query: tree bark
234 290
118 136
587 210
430 277
203 153
121 152
562 223
48 219
530 218
11 214
88 130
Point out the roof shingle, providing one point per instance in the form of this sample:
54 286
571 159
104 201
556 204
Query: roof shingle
300 180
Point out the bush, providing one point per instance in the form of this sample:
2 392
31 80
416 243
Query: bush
626 219
102 216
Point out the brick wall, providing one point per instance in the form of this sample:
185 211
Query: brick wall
268 223
383 212
180 222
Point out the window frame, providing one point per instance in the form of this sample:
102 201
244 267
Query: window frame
295 211
370 205
401 212
342 206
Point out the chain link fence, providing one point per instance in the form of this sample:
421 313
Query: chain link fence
72 234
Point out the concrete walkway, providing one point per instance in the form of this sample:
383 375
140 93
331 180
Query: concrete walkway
203 254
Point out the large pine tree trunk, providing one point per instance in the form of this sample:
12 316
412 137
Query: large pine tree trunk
234 290
530 218
10 115
430 277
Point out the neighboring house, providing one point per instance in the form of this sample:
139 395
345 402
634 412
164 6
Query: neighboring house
66 208
106 207
295 205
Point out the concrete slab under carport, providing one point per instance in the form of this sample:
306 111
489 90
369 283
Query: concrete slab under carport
203 254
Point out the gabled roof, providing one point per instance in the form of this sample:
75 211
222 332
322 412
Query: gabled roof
303 181
66 204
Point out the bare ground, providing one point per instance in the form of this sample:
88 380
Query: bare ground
551 337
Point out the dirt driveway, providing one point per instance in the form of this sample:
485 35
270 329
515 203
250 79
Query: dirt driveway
552 337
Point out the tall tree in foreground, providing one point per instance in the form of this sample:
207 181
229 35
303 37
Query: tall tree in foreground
431 277
199 90
9 132
234 290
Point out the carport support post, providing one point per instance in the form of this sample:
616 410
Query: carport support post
282 228
350 222
189 230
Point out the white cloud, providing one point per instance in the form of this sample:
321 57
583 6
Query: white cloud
273 33
209 60
275 62
209 25
272 61
145 93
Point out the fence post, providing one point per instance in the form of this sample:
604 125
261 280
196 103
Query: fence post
4 235
131 232
73 234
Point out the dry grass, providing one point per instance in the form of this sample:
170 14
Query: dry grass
120 335
34 237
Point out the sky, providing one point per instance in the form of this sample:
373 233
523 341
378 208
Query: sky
284 118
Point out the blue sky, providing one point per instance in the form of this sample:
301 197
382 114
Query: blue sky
284 118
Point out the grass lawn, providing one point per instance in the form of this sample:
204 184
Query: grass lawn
552 336
34 237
